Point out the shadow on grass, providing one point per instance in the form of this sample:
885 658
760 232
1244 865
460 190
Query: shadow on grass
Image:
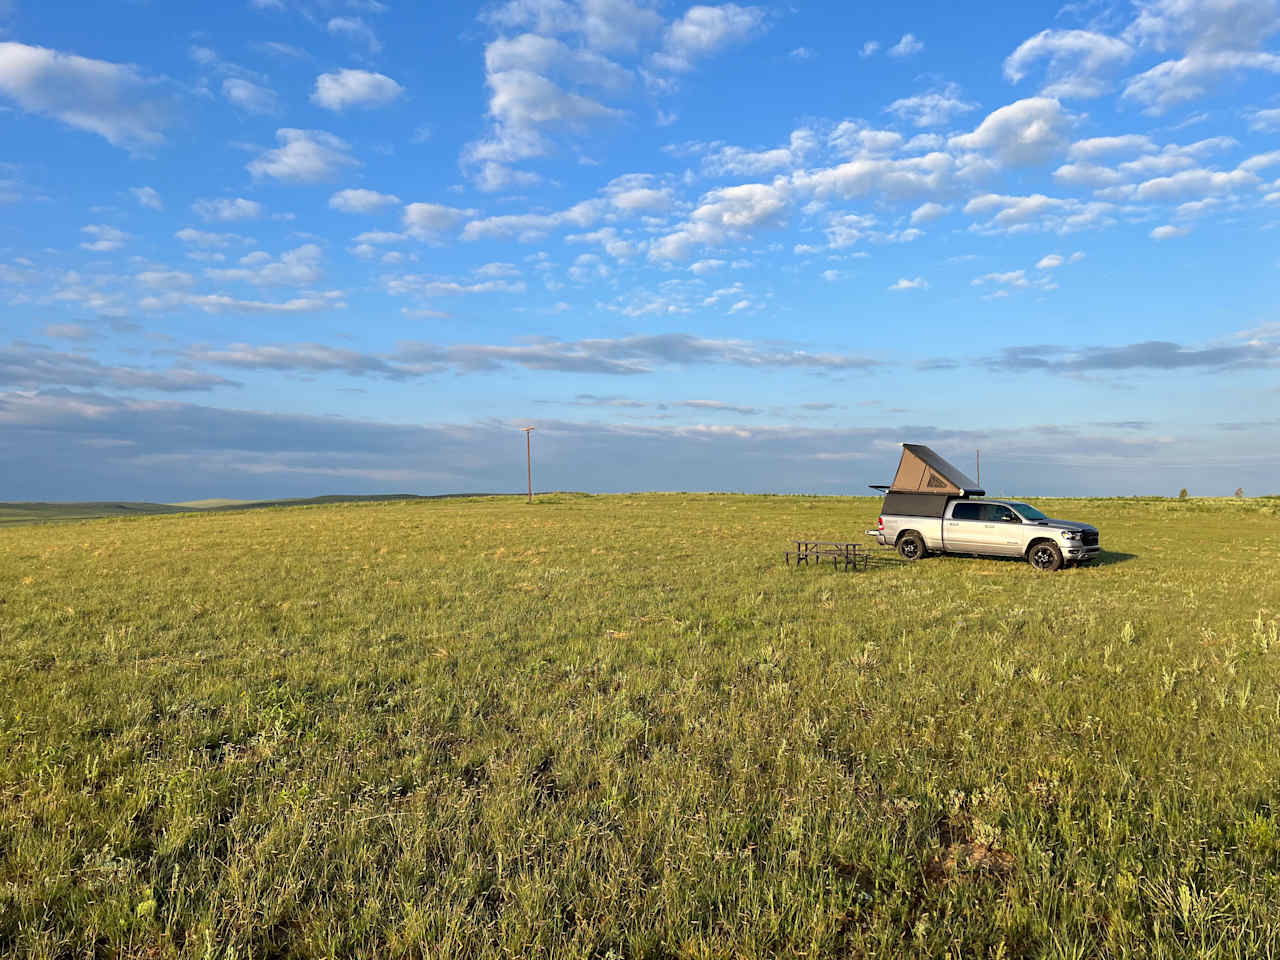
1109 558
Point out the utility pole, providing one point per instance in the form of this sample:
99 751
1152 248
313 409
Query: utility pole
528 458
978 454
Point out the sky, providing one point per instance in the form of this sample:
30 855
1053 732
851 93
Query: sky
275 248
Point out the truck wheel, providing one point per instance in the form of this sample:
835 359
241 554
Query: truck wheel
1045 555
911 546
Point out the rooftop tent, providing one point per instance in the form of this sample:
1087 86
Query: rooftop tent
922 471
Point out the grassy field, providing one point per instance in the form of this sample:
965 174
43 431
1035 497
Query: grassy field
619 727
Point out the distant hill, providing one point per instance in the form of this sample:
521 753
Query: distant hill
11 513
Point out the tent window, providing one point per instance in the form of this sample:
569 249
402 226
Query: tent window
936 482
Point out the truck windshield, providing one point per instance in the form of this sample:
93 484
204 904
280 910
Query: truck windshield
1028 512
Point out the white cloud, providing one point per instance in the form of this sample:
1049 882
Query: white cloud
1192 183
1050 262
1024 133
1095 148
249 96
634 193
223 303
294 268
1176 81
165 279
899 178
902 283
115 101
1215 36
304 156
1264 121
1013 278
906 46
703 31
928 212
354 88
931 109
426 221
524 107
1168 232
802 53
602 24
740 162
225 210
355 29
530 226
551 57
730 211
199 238
148 197
108 238
1080 62
706 266
869 49
361 201
1014 214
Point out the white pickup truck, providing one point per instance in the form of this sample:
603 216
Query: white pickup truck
998 528
932 506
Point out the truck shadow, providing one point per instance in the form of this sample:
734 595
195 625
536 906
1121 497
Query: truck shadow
1105 558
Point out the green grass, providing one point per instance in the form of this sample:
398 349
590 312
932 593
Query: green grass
620 727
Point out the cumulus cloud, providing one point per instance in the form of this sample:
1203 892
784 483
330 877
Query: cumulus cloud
730 160
1096 148
115 101
354 88
357 200
1168 232
530 226
907 46
356 30
304 156
106 239
1018 214
931 109
705 30
219 303
295 268
426 221
1080 63
225 210
903 177
600 24
903 283
148 197
249 96
928 212
1024 133
1216 38
553 58
1264 121
1193 183
730 211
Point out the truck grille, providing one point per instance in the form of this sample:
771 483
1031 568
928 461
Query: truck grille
1090 539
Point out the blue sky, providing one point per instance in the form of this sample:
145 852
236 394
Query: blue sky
276 248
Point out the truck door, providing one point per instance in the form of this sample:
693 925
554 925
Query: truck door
1002 530
963 528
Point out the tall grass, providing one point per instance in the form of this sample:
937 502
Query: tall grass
620 727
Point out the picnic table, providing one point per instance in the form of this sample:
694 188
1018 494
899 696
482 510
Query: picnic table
818 551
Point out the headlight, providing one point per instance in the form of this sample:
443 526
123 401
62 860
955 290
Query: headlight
1071 534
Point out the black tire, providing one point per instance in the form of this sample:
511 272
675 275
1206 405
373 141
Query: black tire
911 546
1045 555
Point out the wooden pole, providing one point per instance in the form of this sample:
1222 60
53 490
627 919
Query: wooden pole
528 458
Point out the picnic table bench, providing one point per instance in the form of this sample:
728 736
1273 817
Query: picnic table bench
818 551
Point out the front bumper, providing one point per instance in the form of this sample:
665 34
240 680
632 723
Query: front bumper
1075 551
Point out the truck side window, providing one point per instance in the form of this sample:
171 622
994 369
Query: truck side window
997 513
966 511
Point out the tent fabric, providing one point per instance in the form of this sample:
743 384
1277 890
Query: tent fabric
921 470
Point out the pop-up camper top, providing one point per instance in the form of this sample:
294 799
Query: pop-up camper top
924 483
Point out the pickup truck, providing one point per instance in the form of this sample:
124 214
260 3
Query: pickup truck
997 528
